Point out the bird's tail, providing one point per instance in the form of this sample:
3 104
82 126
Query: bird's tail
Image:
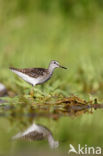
17 136
16 71
12 68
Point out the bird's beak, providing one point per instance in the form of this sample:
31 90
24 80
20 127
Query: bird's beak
62 67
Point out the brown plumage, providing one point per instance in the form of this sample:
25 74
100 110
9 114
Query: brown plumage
33 136
37 76
37 132
32 72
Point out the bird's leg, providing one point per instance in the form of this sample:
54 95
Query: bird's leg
32 91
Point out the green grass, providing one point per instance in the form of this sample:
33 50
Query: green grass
32 40
28 42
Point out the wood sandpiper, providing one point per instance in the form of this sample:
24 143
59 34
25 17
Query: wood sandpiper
37 132
36 76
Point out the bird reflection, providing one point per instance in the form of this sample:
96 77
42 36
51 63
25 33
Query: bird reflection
37 132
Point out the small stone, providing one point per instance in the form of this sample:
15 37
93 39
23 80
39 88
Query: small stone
3 90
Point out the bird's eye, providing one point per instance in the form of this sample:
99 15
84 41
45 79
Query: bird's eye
54 62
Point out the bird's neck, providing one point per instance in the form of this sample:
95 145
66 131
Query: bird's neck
51 69
51 141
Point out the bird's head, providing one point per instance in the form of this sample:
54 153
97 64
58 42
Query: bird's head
55 64
54 144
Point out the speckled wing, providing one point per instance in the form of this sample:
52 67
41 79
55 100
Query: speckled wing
34 135
32 72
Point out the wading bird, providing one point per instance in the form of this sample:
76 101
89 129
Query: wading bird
37 76
37 132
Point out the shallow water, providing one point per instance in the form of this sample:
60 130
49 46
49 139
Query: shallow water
70 123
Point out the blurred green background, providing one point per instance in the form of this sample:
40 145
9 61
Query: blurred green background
33 32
